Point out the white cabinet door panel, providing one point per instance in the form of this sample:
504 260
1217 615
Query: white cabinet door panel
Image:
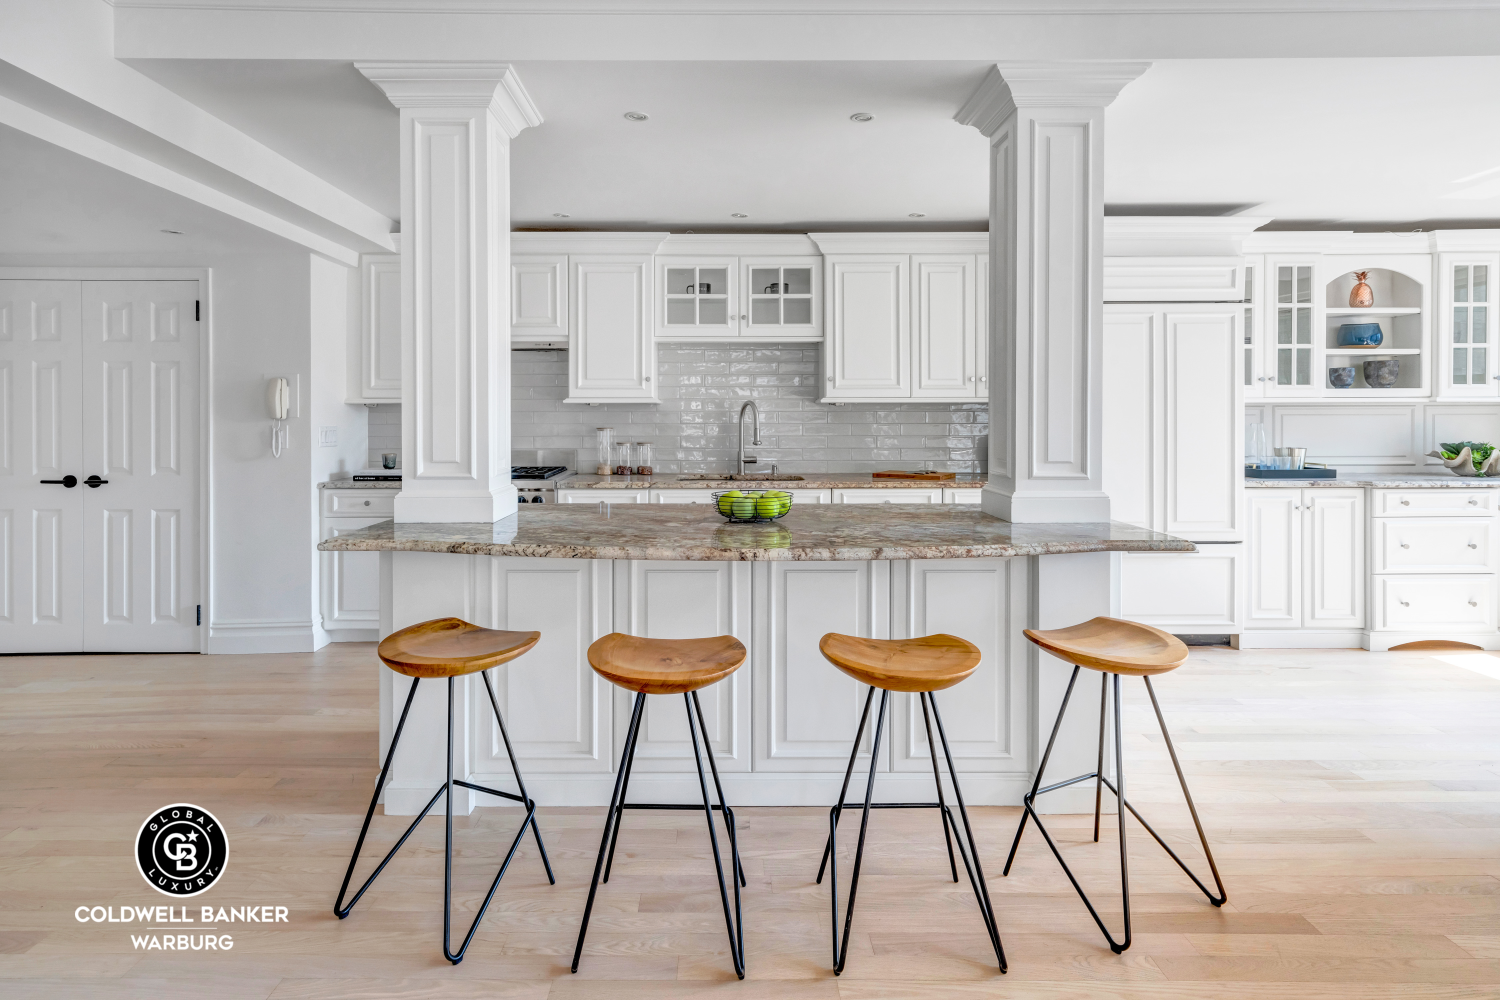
380 330
611 354
1434 545
557 710
877 495
351 580
943 325
1132 452
1274 591
359 503
1204 424
868 347
681 496
1183 592
982 326
1334 561
538 297
983 716
1427 604
963 496
608 496
806 710
688 600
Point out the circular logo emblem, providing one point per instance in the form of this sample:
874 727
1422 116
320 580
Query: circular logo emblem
181 849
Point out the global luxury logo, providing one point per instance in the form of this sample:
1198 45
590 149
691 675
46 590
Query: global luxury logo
181 850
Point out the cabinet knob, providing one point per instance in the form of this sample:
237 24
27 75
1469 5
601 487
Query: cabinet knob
648 378
1473 545
742 318
971 378
1406 503
830 378
367 503
1473 502
984 378
1406 604
1473 604
1406 545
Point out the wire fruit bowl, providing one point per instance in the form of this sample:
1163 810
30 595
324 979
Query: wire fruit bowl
752 506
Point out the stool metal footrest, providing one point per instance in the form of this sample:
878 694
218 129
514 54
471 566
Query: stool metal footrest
1101 782
967 849
735 924
342 911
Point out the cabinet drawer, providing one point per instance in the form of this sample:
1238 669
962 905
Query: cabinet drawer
1447 500
1422 603
970 495
888 496
1434 545
607 495
359 503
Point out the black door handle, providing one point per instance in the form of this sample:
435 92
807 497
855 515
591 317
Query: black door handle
67 481
95 481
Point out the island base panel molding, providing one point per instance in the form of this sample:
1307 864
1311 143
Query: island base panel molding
769 729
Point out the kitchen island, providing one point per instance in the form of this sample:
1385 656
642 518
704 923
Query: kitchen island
781 726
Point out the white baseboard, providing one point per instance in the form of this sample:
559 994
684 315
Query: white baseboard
264 636
352 634
1302 638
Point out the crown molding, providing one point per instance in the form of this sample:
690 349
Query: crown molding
1177 235
782 8
901 242
741 244
1009 85
587 243
457 84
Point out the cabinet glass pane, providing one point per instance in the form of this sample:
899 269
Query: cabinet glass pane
1477 373
1304 366
762 278
1304 326
1249 283
1284 366
717 279
1283 284
765 312
1249 366
796 312
1461 284
1283 326
1249 325
1304 284
1460 324
682 280
713 312
1478 329
1461 366
1481 282
682 312
798 280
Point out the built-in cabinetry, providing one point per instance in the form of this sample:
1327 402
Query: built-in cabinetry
349 582
374 355
860 495
746 288
1307 563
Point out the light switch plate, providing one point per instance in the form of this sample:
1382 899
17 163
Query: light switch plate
328 437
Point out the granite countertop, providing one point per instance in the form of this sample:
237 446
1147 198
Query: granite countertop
1391 482
349 484
808 532
809 481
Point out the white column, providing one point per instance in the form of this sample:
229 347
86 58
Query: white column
457 120
1045 123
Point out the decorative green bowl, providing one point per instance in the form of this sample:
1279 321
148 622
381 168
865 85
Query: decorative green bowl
750 506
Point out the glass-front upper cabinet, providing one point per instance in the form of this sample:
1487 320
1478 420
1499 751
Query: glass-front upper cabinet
782 297
1468 368
1290 320
699 297
1255 378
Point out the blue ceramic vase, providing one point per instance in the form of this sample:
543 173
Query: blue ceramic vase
1360 335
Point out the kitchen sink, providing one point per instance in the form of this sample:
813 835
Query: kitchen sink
738 477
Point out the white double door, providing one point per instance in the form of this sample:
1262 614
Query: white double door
99 388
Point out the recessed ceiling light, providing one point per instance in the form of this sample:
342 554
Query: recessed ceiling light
738 215
561 215
861 116
636 116
916 215
174 232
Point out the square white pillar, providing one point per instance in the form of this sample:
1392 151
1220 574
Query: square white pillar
1045 123
457 120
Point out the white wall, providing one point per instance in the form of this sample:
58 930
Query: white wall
1375 437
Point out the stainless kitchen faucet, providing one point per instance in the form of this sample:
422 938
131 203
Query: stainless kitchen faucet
744 459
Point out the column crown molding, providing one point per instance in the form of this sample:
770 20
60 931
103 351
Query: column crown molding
1009 85
495 86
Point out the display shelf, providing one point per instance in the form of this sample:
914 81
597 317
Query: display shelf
1373 311
1354 352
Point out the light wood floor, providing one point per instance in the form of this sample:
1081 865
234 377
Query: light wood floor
1353 800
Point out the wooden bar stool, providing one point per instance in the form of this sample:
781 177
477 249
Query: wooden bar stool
1114 647
669 666
919 666
451 648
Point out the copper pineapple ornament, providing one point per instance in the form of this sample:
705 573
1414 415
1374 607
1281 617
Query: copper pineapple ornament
1360 296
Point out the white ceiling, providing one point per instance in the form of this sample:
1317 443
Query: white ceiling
53 201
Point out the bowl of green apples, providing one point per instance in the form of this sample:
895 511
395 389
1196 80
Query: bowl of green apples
750 506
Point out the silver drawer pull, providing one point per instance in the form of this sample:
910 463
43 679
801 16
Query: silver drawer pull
1406 545
1473 502
1473 545
1406 604
1406 503
367 503
1473 604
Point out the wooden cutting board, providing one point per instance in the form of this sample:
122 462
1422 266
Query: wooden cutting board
928 476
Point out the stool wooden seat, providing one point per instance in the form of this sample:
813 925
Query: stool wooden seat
931 663
451 647
664 666
922 667
669 666
448 648
1115 646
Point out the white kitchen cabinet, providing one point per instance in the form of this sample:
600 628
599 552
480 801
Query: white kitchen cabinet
1467 321
706 496
806 710
1433 545
700 297
970 495
877 495
538 298
1185 593
943 326
781 298
1447 501
1307 559
611 353
375 354
867 347
688 600
350 583
1434 606
622 495
1293 316
982 325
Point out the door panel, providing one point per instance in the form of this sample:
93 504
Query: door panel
41 374
1275 589
140 435
869 340
943 324
1131 446
351 591
1335 559
1204 425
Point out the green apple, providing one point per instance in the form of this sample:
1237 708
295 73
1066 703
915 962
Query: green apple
773 503
726 501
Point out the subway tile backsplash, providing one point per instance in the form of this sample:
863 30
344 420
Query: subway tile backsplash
702 389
